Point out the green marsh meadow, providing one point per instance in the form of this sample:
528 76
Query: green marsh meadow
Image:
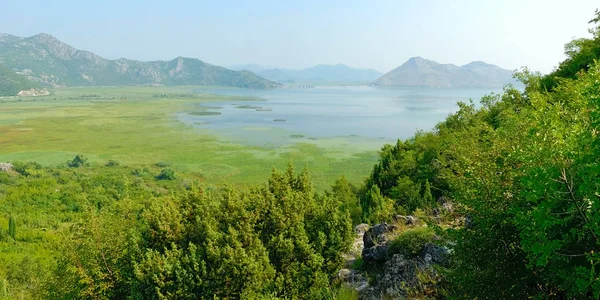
137 126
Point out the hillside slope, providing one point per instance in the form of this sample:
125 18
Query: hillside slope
12 83
45 59
418 71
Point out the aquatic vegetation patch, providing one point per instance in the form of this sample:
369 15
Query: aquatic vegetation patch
205 113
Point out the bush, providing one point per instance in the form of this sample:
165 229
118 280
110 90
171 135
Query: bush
346 293
411 241
163 164
3 234
27 168
78 162
112 163
358 263
140 171
166 174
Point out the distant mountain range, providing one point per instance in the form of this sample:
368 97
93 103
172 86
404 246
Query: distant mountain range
254 68
318 74
44 59
418 71
47 61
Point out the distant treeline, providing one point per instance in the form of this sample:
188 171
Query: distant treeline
174 96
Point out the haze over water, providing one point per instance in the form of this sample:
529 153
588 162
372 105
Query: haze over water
288 115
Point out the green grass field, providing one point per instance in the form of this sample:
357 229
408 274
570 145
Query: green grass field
138 126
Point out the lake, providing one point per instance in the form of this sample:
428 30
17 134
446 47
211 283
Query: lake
282 116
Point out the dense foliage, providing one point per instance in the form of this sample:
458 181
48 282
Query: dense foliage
114 234
581 54
411 241
522 170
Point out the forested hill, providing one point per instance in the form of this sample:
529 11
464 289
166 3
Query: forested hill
12 83
522 173
45 59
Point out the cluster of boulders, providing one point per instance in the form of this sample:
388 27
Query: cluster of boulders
399 272
376 241
33 92
444 206
5 167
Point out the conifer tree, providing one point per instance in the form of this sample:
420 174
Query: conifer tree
12 228
427 197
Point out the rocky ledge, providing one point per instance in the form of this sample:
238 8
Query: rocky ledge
392 276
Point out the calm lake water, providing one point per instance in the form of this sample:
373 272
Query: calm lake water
286 115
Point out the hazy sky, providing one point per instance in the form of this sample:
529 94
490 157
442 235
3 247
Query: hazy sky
297 34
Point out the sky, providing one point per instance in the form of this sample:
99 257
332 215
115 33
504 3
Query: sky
297 34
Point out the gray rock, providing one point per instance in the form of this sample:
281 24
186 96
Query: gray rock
377 234
360 229
346 275
443 199
376 253
468 221
408 220
5 167
448 207
353 279
399 274
444 206
435 254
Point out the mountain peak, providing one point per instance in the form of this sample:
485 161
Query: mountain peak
45 38
418 71
54 63
477 63
419 61
416 58
44 35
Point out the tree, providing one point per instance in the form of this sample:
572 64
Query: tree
376 207
581 54
346 194
12 228
407 194
427 197
166 174
78 161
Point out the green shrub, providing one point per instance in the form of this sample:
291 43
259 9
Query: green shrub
163 164
358 263
140 171
3 234
12 228
346 293
27 168
411 241
112 163
166 174
3 287
78 162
